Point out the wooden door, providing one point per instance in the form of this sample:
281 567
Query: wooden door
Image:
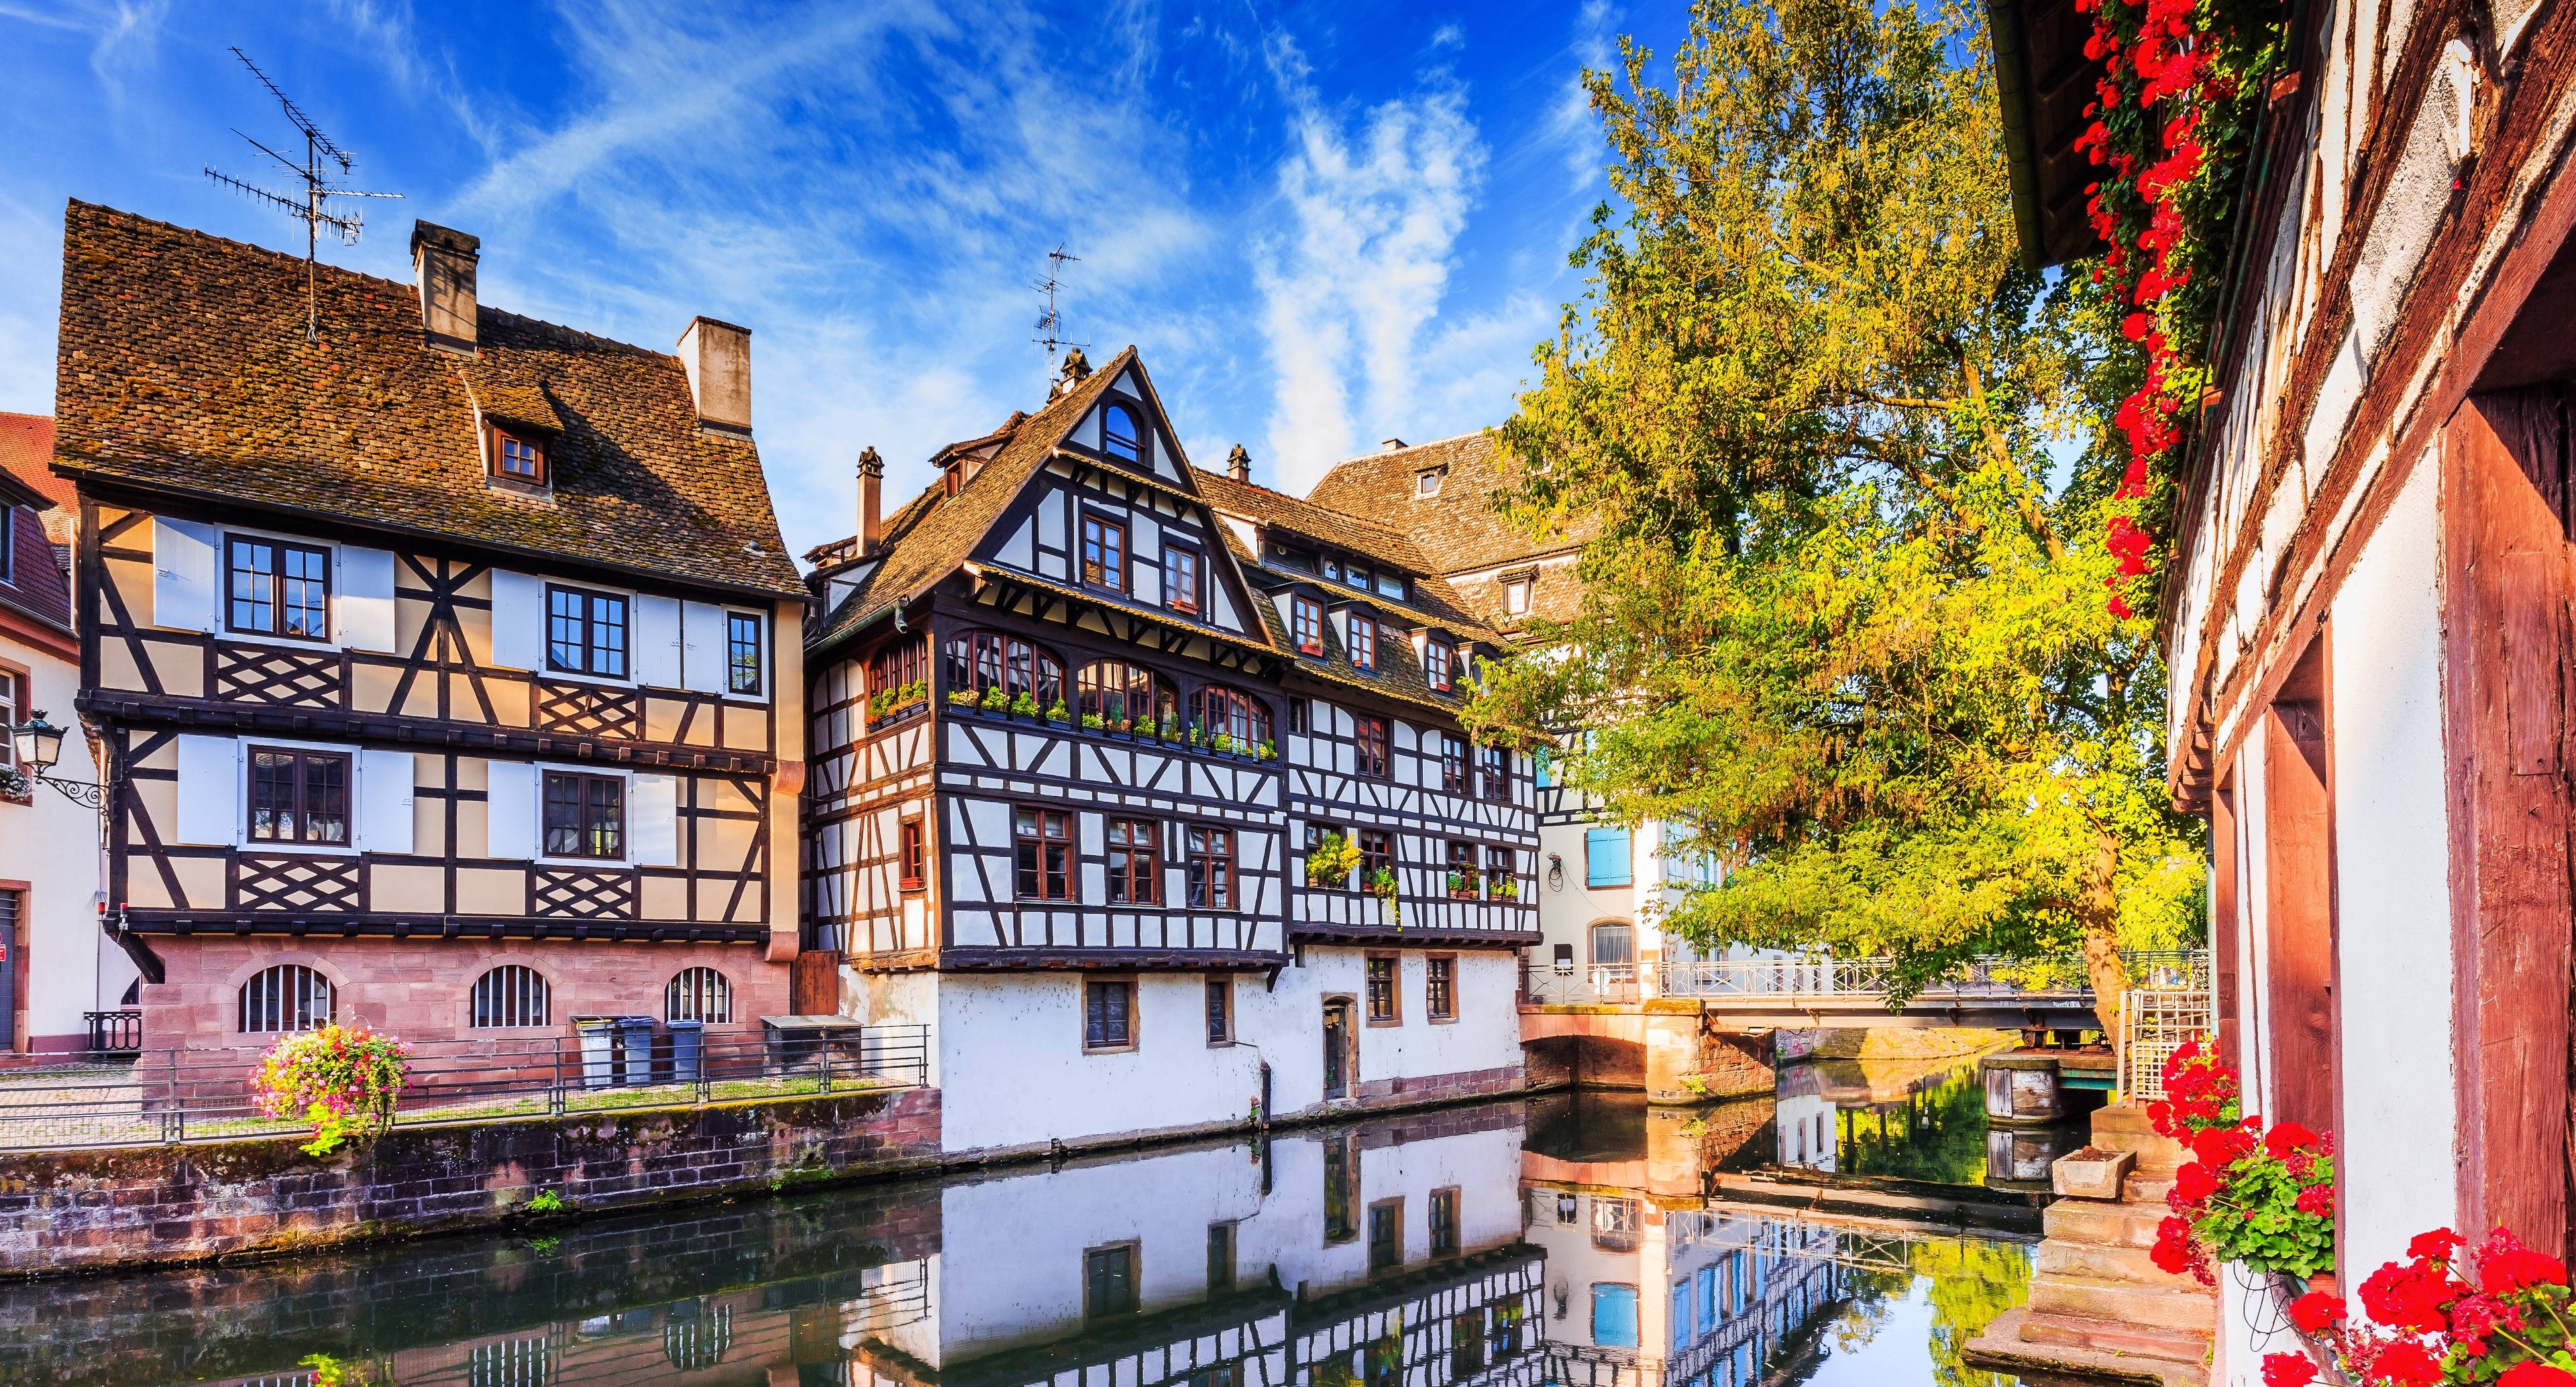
1339 1051
2300 884
814 983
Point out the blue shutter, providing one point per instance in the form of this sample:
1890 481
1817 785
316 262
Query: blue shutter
1605 857
1614 1315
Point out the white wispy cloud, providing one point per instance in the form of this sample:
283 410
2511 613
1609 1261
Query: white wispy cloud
1571 124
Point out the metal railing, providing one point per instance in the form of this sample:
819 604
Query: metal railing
205 1095
1796 978
114 1032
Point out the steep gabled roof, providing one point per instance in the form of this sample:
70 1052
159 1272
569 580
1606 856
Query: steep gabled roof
1434 602
183 368
1460 524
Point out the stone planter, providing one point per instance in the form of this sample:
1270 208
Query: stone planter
2091 1173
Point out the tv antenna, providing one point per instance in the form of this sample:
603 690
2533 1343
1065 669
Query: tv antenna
1051 323
319 152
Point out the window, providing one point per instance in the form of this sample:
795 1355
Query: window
1104 553
278 589
1211 868
698 994
1516 596
1363 643
1453 762
1119 435
1502 874
1391 585
1109 1281
1440 987
742 653
1427 482
511 996
1220 1257
1382 1000
518 457
1494 772
1233 714
13 702
1181 578
1605 857
981 661
1286 557
1614 945
1614 1316
1126 697
1543 768
1444 1222
299 796
1377 853
586 632
1438 657
1135 876
585 816
1108 1014
286 997
914 853
1370 759
1297 716
1341 1188
1306 624
1385 1234
1044 838
1220 1010
893 671
1463 877
8 542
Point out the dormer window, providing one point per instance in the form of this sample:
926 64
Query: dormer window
1427 482
1516 595
1438 658
1363 643
1306 625
518 457
1120 437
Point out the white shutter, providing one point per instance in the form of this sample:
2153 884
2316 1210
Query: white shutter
362 591
653 821
511 810
384 801
183 576
518 620
657 641
703 657
210 790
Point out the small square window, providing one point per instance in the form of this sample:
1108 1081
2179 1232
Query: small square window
299 797
1043 843
1109 1281
1108 1014
1306 625
1427 482
518 457
1363 643
585 816
586 632
1516 597
1181 580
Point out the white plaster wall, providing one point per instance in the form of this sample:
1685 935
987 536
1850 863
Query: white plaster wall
1486 1034
2393 937
1484 1167
52 845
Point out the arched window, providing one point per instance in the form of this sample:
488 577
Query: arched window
1613 945
287 997
698 994
512 995
1126 697
980 661
1119 435
1232 713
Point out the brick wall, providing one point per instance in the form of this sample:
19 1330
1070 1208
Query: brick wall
121 1206
1437 1088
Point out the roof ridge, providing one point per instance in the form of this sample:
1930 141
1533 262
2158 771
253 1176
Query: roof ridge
1384 453
1352 516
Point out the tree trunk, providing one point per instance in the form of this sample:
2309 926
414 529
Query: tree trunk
2101 914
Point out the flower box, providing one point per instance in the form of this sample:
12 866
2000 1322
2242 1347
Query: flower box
2091 1173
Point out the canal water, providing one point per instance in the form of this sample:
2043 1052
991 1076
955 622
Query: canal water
1566 1241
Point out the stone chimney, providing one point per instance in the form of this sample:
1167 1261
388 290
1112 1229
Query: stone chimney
1238 465
1394 445
871 486
442 265
718 357
1075 370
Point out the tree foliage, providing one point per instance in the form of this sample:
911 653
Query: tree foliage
1845 622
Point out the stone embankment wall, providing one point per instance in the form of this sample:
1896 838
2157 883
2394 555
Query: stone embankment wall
95 1210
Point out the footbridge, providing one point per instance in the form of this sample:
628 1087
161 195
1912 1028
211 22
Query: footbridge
1806 992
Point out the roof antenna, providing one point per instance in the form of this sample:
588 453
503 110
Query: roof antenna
1051 323
318 148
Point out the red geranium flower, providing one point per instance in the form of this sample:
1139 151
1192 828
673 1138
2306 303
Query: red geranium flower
2194 1184
2317 1200
2536 1375
2286 1138
2408 1362
2408 1295
2436 1246
2504 1270
2316 1310
2288 1370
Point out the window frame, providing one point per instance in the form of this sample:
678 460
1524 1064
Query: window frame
1597 839
1131 1276
591 625
1502 863
300 756
912 853
1383 855
1185 598
735 621
1208 861
1455 777
1092 691
1439 661
1114 879
1068 844
1139 435
1305 619
1440 988
1443 1216
1494 773
1463 861
589 780
497 453
531 984
1114 569
16 692
1372 747
1040 675
706 983
1220 1010
1362 641
1392 993
1238 714
1518 592
1123 987
276 581
1387 1254
288 1010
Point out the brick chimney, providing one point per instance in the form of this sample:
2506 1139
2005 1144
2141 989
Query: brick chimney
871 485
442 265
718 357
1238 465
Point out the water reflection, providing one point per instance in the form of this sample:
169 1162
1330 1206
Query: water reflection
1566 1242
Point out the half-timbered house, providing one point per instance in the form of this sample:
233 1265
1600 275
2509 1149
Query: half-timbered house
1066 751
437 659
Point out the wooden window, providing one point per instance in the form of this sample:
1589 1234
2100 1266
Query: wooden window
1044 839
1232 714
1135 868
286 997
1444 1222
277 589
13 710
586 632
742 653
1363 643
1220 1257
1220 1010
510 997
1297 716
1306 624
1108 1014
1386 1235
1104 553
8 543
1453 762
299 796
585 816
1394 585
1438 658
1516 597
982 661
892 674
518 457
1440 987
1357 575
1126 697
1614 945
698 994
1377 853
1182 576
914 854
1466 1342
1384 1004
1427 482
1289 557
1211 867
1109 1281
1494 773
1502 874
1464 882
1120 435
1371 760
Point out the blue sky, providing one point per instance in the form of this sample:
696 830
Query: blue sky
1322 224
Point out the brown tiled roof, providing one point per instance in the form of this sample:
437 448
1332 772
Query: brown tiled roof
1460 525
183 368
27 454
1434 602
38 508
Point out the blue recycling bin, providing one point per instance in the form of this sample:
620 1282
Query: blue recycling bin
637 1034
688 1042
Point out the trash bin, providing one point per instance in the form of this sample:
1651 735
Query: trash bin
638 1034
598 1035
688 1041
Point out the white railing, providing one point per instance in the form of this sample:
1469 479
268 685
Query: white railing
1809 978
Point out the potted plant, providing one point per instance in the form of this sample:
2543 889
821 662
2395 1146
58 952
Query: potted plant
995 700
961 698
1091 722
1503 888
1382 885
2495 1315
1462 885
1172 728
1221 744
1057 712
1330 862
1269 751
343 1080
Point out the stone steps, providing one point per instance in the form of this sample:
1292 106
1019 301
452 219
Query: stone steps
2161 1306
2019 1342
2108 1225
2126 1340
2125 1262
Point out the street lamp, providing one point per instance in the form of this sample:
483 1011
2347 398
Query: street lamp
39 745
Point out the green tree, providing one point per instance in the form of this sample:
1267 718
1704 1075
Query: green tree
1846 622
